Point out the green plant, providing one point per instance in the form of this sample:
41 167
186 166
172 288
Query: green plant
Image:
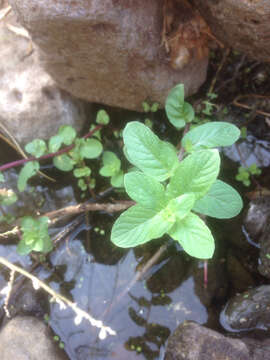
169 193
244 173
68 153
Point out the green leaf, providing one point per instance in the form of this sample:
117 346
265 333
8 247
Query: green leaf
36 147
82 172
63 162
34 235
118 179
67 133
82 185
146 106
91 149
178 111
195 174
145 190
2 179
102 118
146 151
221 202
55 143
211 135
138 225
181 206
111 164
30 169
7 197
194 236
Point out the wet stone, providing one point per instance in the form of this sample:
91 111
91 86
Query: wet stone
191 341
250 310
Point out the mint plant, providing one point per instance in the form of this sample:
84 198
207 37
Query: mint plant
170 194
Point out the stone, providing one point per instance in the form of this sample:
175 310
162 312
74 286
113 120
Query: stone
25 338
243 25
257 225
191 341
31 104
247 311
107 51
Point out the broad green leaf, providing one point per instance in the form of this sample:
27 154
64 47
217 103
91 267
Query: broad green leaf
195 174
102 118
181 206
67 133
146 151
118 179
221 201
55 143
36 147
63 162
91 149
82 172
194 236
30 169
138 225
211 135
145 190
7 197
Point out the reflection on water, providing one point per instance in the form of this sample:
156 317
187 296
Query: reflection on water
143 318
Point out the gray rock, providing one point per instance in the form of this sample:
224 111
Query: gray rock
27 338
31 104
191 341
243 25
257 223
248 311
107 51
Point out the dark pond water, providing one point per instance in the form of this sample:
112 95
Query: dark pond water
90 271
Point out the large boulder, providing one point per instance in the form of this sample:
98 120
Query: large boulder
243 25
31 104
107 51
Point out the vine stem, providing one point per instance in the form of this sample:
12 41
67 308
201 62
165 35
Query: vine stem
47 156
61 300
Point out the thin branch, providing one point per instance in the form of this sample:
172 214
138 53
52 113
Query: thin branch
61 300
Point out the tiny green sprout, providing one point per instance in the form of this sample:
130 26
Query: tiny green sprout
138 349
61 345
244 173
102 118
145 106
102 232
243 132
212 96
56 338
46 318
268 256
148 123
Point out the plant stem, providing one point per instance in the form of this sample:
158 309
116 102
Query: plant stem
47 156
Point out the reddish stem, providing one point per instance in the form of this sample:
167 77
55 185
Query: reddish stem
47 156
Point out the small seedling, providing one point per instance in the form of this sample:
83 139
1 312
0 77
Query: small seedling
170 194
